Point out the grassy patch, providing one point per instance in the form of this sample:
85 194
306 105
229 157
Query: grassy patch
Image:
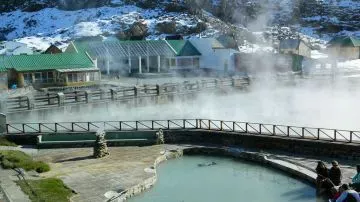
46 190
6 142
17 159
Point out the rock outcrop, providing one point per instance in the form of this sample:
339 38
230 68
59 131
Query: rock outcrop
100 147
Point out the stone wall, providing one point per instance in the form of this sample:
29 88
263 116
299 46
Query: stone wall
293 145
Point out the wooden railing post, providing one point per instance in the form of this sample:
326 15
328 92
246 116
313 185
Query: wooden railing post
113 94
88 96
61 99
135 91
30 103
157 89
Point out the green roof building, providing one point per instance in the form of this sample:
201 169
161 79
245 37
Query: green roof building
187 56
145 56
344 47
42 70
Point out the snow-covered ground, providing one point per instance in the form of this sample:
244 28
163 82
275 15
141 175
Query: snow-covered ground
52 25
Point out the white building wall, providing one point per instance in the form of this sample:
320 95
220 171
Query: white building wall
214 58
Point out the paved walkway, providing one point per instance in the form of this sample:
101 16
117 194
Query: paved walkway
10 188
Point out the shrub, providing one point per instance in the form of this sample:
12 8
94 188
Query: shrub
5 142
6 164
41 167
18 159
50 189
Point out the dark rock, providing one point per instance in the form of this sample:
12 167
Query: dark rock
80 4
33 7
2 37
137 31
166 27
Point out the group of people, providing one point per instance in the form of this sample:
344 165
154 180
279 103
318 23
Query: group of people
330 181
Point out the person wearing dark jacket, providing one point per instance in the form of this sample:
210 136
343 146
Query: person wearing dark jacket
335 173
322 181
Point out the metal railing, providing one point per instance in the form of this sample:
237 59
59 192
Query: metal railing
334 135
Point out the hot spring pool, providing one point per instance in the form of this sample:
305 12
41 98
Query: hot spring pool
182 180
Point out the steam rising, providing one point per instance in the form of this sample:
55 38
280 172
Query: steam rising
318 103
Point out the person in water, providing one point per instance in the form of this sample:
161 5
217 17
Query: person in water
204 164
348 195
356 179
335 173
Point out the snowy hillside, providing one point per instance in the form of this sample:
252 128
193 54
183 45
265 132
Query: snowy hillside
52 25
316 20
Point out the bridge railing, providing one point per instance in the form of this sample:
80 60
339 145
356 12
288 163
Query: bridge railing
334 135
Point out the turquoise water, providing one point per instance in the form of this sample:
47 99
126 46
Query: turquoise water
182 180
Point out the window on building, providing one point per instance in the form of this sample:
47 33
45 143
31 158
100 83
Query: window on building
173 62
196 62
50 77
92 76
28 78
72 77
38 77
185 62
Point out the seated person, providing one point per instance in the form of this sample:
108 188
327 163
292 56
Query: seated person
348 195
335 173
356 179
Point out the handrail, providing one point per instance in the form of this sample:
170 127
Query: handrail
312 133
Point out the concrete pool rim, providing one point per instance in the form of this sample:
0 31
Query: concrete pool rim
296 171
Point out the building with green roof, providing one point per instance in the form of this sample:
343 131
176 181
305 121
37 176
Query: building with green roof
145 56
344 47
187 56
126 57
42 70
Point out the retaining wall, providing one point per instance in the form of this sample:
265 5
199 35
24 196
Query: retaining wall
293 145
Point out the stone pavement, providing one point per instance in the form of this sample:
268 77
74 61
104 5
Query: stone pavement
10 188
92 178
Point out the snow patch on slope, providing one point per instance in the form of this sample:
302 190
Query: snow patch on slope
51 25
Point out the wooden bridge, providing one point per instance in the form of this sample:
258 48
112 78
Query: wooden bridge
80 97
233 127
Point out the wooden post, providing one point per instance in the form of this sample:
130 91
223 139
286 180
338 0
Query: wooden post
61 99
113 94
88 96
